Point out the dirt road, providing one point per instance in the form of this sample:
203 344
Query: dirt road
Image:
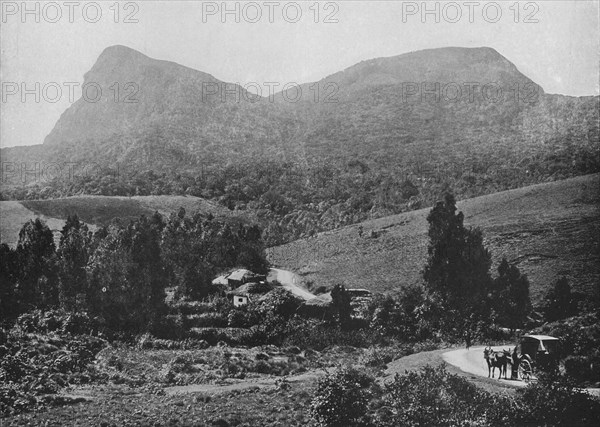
472 362
291 282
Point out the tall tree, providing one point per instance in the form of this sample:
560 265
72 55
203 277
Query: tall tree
125 276
457 270
73 254
341 309
185 253
510 296
9 271
37 273
558 302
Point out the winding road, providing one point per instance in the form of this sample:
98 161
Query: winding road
471 361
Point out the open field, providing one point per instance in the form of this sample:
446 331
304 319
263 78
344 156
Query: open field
548 230
95 210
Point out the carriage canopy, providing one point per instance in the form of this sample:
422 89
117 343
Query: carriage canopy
534 344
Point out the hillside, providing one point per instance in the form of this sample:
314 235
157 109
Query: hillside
384 136
95 211
168 115
549 229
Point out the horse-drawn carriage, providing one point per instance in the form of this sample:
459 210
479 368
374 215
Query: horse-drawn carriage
535 351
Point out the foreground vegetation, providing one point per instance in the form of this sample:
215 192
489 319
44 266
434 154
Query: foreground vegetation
93 314
433 396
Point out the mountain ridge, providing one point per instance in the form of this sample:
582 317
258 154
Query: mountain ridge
171 96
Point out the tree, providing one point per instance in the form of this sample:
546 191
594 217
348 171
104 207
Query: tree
457 270
73 254
196 249
185 248
510 296
558 302
37 273
9 270
341 310
125 277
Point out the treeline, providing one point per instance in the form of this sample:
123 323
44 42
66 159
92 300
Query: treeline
293 200
120 272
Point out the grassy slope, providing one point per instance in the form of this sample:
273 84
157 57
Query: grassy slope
96 210
548 229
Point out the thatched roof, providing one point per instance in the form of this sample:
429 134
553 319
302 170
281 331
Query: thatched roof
221 280
251 288
240 274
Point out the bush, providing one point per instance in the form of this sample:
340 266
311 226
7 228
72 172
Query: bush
435 397
76 323
192 307
579 368
319 335
341 399
207 320
379 357
556 401
168 327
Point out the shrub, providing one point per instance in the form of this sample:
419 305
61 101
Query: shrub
168 327
435 397
278 302
341 399
262 367
192 307
80 322
207 320
319 335
378 357
556 401
242 318
579 368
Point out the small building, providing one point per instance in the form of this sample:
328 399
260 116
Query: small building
240 300
242 276
243 295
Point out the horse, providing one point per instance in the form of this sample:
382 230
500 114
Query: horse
496 359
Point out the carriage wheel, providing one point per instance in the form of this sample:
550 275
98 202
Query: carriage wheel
525 370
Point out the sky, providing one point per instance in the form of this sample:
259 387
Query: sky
555 43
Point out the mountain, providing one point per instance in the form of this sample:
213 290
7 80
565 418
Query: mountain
159 114
438 102
382 137
180 117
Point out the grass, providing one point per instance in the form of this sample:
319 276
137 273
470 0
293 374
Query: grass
95 210
548 230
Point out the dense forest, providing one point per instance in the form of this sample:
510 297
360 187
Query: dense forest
290 200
